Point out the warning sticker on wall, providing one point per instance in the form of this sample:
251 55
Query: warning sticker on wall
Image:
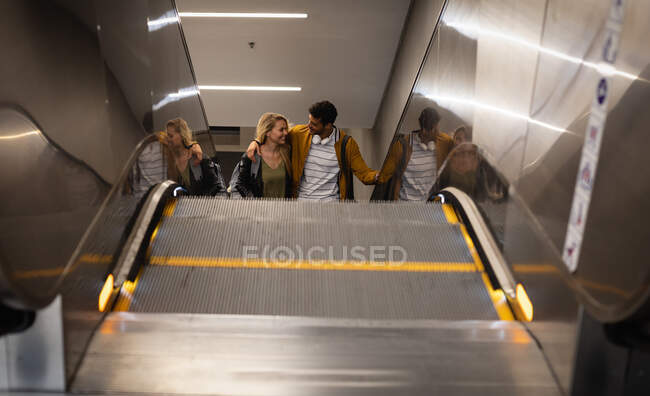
591 147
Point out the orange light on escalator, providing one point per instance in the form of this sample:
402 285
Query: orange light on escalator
106 292
524 303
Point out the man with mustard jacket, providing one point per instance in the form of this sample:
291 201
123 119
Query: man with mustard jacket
320 169
413 160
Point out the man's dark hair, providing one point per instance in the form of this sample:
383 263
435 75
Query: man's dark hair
324 111
429 118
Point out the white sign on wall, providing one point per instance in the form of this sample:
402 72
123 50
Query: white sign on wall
593 137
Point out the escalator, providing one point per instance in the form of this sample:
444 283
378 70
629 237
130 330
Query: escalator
282 297
110 284
205 295
209 295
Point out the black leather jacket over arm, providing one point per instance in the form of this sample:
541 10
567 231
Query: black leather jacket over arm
211 181
246 185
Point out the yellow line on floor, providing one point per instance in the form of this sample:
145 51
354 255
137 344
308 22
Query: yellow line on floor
535 269
603 288
499 300
50 272
545 269
348 265
96 258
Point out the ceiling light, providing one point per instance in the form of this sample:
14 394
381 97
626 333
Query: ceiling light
473 31
175 97
242 15
168 18
245 88
451 99
19 135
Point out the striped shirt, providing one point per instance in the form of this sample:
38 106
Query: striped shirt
420 173
150 169
321 173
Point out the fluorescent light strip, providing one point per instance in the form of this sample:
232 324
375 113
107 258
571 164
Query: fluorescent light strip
19 135
495 109
241 15
168 18
602 67
245 88
175 97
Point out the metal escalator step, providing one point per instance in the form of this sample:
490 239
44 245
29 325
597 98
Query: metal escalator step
343 294
309 211
193 243
253 355
211 237
218 228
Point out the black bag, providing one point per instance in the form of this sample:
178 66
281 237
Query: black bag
386 191
232 186
347 170
255 169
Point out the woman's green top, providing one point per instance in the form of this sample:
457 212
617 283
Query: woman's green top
185 176
273 180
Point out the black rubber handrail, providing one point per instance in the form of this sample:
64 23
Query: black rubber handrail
635 306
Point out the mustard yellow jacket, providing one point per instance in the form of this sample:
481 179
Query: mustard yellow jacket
300 140
398 155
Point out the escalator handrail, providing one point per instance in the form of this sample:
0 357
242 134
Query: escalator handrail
126 170
636 304
486 241
146 219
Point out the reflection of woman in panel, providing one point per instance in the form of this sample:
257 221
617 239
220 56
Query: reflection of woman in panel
460 136
468 171
202 179
270 175
463 163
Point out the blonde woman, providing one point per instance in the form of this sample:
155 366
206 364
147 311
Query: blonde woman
270 177
202 179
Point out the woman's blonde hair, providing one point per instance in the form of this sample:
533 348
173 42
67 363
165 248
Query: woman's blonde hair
264 126
180 126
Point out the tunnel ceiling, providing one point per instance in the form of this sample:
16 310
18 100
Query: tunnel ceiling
343 51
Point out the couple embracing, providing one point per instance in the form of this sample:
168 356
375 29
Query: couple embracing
308 162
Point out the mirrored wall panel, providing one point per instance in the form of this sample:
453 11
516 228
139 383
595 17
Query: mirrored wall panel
523 79
84 83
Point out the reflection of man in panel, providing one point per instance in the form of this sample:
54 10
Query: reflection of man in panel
414 159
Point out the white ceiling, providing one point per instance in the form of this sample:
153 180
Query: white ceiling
342 52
